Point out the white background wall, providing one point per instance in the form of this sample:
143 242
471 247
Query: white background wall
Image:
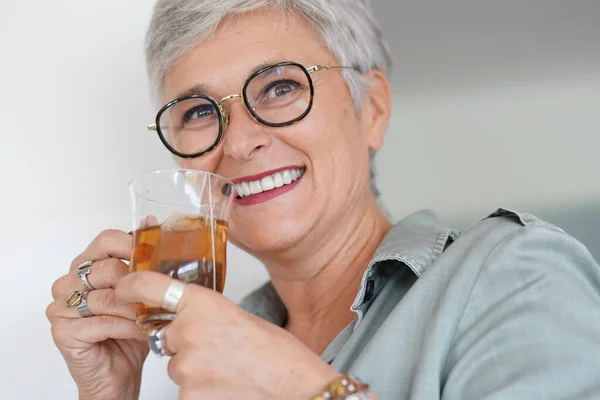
73 111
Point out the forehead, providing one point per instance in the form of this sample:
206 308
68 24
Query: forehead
240 46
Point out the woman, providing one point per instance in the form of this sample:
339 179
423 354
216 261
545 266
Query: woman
506 309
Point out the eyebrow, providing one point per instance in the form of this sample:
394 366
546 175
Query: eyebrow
196 90
203 89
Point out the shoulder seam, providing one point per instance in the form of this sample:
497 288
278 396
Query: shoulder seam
501 243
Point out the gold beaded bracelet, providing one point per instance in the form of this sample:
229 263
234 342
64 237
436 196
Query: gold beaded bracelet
342 388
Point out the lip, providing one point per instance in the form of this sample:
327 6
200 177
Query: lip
257 177
269 195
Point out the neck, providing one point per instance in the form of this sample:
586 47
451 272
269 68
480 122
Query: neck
319 287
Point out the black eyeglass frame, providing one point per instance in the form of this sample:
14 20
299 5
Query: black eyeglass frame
223 117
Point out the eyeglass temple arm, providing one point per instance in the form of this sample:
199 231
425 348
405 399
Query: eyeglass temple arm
320 67
152 127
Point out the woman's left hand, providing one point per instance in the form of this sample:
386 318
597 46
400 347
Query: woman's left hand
222 352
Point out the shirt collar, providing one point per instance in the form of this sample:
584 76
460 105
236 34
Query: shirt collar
414 242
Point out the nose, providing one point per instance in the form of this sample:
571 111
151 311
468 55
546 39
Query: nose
244 138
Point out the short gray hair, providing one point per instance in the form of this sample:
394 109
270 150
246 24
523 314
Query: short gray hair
347 27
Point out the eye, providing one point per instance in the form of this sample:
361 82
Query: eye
199 112
280 89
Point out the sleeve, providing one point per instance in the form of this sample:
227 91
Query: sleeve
531 327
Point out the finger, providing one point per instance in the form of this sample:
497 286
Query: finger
146 287
104 302
150 220
185 334
221 390
99 302
94 330
103 274
65 285
178 369
172 371
108 244
188 369
106 273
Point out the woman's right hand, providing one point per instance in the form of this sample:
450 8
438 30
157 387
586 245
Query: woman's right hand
105 352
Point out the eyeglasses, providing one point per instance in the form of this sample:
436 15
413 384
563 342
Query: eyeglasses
277 95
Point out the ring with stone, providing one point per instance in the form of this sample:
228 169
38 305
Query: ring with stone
173 295
158 342
82 271
82 307
74 299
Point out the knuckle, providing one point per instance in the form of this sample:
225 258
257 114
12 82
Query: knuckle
108 299
58 330
105 237
106 321
75 262
172 370
186 394
194 296
57 288
114 269
213 298
50 312
189 334
185 371
141 280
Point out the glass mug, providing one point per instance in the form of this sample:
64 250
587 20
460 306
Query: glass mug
180 229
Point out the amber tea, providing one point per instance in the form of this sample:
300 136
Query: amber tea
180 229
192 249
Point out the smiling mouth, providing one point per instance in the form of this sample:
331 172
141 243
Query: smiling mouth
269 182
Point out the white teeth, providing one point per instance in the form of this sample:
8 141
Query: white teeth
267 183
270 182
255 187
287 177
246 189
278 180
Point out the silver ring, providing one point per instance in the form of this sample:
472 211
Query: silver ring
158 342
82 307
82 272
173 295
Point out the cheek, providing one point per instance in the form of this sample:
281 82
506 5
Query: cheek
336 116
208 162
343 150
339 136
328 126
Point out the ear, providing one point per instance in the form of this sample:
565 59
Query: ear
376 108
